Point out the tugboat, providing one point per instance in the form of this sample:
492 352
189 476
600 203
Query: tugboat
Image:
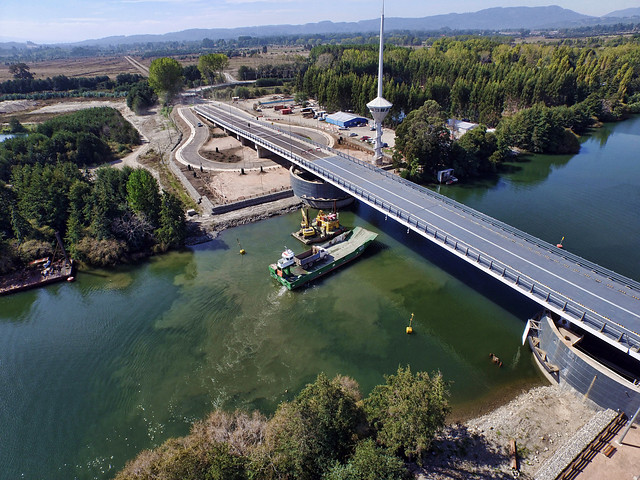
293 270
324 227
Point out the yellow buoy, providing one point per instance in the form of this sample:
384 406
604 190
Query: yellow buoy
242 251
410 328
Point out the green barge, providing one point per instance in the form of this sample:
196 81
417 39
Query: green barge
293 271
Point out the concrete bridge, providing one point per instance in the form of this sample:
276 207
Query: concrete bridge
594 298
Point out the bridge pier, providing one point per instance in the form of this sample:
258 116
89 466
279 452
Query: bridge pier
262 152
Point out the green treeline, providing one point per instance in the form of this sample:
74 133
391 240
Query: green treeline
328 431
479 79
83 138
62 83
264 71
106 216
538 97
425 144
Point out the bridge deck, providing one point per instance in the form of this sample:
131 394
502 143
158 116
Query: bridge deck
596 299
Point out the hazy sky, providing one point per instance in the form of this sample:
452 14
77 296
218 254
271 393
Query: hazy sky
50 21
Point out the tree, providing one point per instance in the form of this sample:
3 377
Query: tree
242 92
471 153
369 462
15 126
208 43
423 142
140 97
211 65
109 200
408 411
192 74
20 71
173 225
165 77
308 435
143 196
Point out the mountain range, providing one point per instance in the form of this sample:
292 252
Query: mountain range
497 19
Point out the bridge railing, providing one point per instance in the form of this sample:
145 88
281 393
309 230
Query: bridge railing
581 314
605 272
617 334
630 283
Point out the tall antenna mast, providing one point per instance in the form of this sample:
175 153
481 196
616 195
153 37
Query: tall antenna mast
379 107
380 54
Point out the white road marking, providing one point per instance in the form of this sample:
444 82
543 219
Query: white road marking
327 159
485 240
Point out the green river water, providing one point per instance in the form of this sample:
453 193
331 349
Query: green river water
95 371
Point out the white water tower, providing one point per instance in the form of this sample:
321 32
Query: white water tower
379 107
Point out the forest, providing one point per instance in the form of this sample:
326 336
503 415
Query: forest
106 216
537 97
328 431
480 79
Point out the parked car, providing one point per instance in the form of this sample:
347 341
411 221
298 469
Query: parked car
353 134
199 124
372 127
343 128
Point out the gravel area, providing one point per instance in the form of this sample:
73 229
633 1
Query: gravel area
540 420
576 444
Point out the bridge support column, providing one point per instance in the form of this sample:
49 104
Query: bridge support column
245 141
262 152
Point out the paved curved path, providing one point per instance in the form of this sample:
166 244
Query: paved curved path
189 152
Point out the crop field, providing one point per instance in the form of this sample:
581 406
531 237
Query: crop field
75 67
112 66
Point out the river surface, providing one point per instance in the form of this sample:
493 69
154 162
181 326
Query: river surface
95 371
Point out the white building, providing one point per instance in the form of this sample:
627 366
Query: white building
458 128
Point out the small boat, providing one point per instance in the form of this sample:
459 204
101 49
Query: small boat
293 270
39 273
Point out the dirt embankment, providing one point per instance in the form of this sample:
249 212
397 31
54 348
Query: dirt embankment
540 420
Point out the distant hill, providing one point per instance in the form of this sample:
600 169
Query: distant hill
499 18
627 12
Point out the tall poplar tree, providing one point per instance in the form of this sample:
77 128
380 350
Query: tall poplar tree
165 77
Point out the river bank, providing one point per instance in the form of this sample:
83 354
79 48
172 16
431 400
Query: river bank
540 419
204 228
